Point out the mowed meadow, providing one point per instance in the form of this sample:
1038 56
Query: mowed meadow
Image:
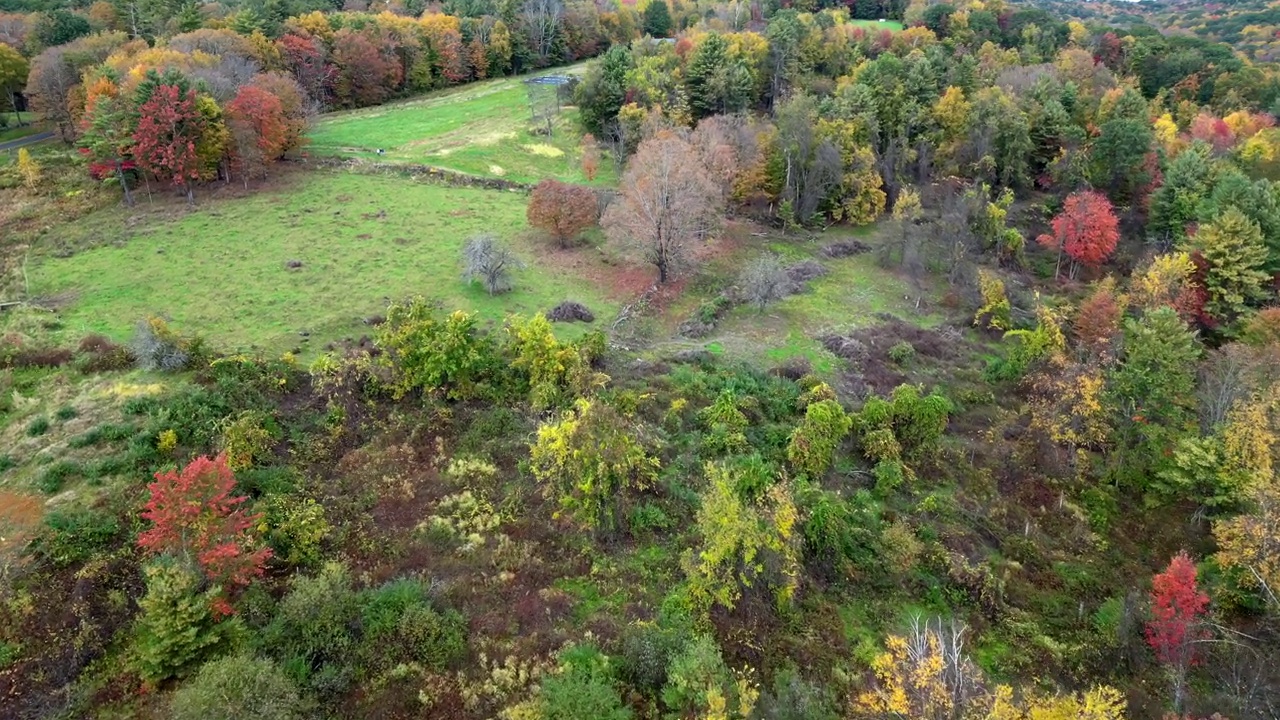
316 254
224 269
483 129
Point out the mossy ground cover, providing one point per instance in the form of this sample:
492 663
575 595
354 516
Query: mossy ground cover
481 129
223 269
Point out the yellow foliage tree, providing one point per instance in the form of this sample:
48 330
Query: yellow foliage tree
1250 542
995 303
1162 281
1166 132
1068 404
922 675
589 460
1099 703
29 169
925 675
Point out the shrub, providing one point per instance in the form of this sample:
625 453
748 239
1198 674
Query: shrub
794 698
176 628
753 475
296 528
649 517
905 424
102 355
764 281
55 476
9 653
470 471
463 518
41 357
38 427
434 639
7 462
488 261
247 439
103 434
646 652
589 460
840 535
157 347
725 425
399 625
236 687
314 622
902 549
814 441
583 687
902 353
65 413
449 356
695 673
73 535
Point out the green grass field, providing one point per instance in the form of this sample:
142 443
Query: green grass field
481 129
892 25
363 240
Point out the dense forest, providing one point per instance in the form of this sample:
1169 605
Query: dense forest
1054 497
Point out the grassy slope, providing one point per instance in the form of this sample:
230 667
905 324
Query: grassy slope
481 129
220 271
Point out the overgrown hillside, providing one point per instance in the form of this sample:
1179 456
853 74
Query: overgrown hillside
554 360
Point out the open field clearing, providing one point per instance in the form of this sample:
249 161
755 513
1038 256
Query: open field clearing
892 25
480 129
848 293
361 240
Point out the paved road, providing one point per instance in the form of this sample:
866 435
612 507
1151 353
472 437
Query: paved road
15 144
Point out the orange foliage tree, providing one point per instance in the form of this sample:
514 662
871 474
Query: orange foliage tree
562 210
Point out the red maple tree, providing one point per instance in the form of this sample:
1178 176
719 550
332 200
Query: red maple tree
165 140
196 516
1177 607
304 57
1086 230
258 128
1214 131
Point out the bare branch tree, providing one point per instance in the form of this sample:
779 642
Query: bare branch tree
486 259
542 19
667 203
764 281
